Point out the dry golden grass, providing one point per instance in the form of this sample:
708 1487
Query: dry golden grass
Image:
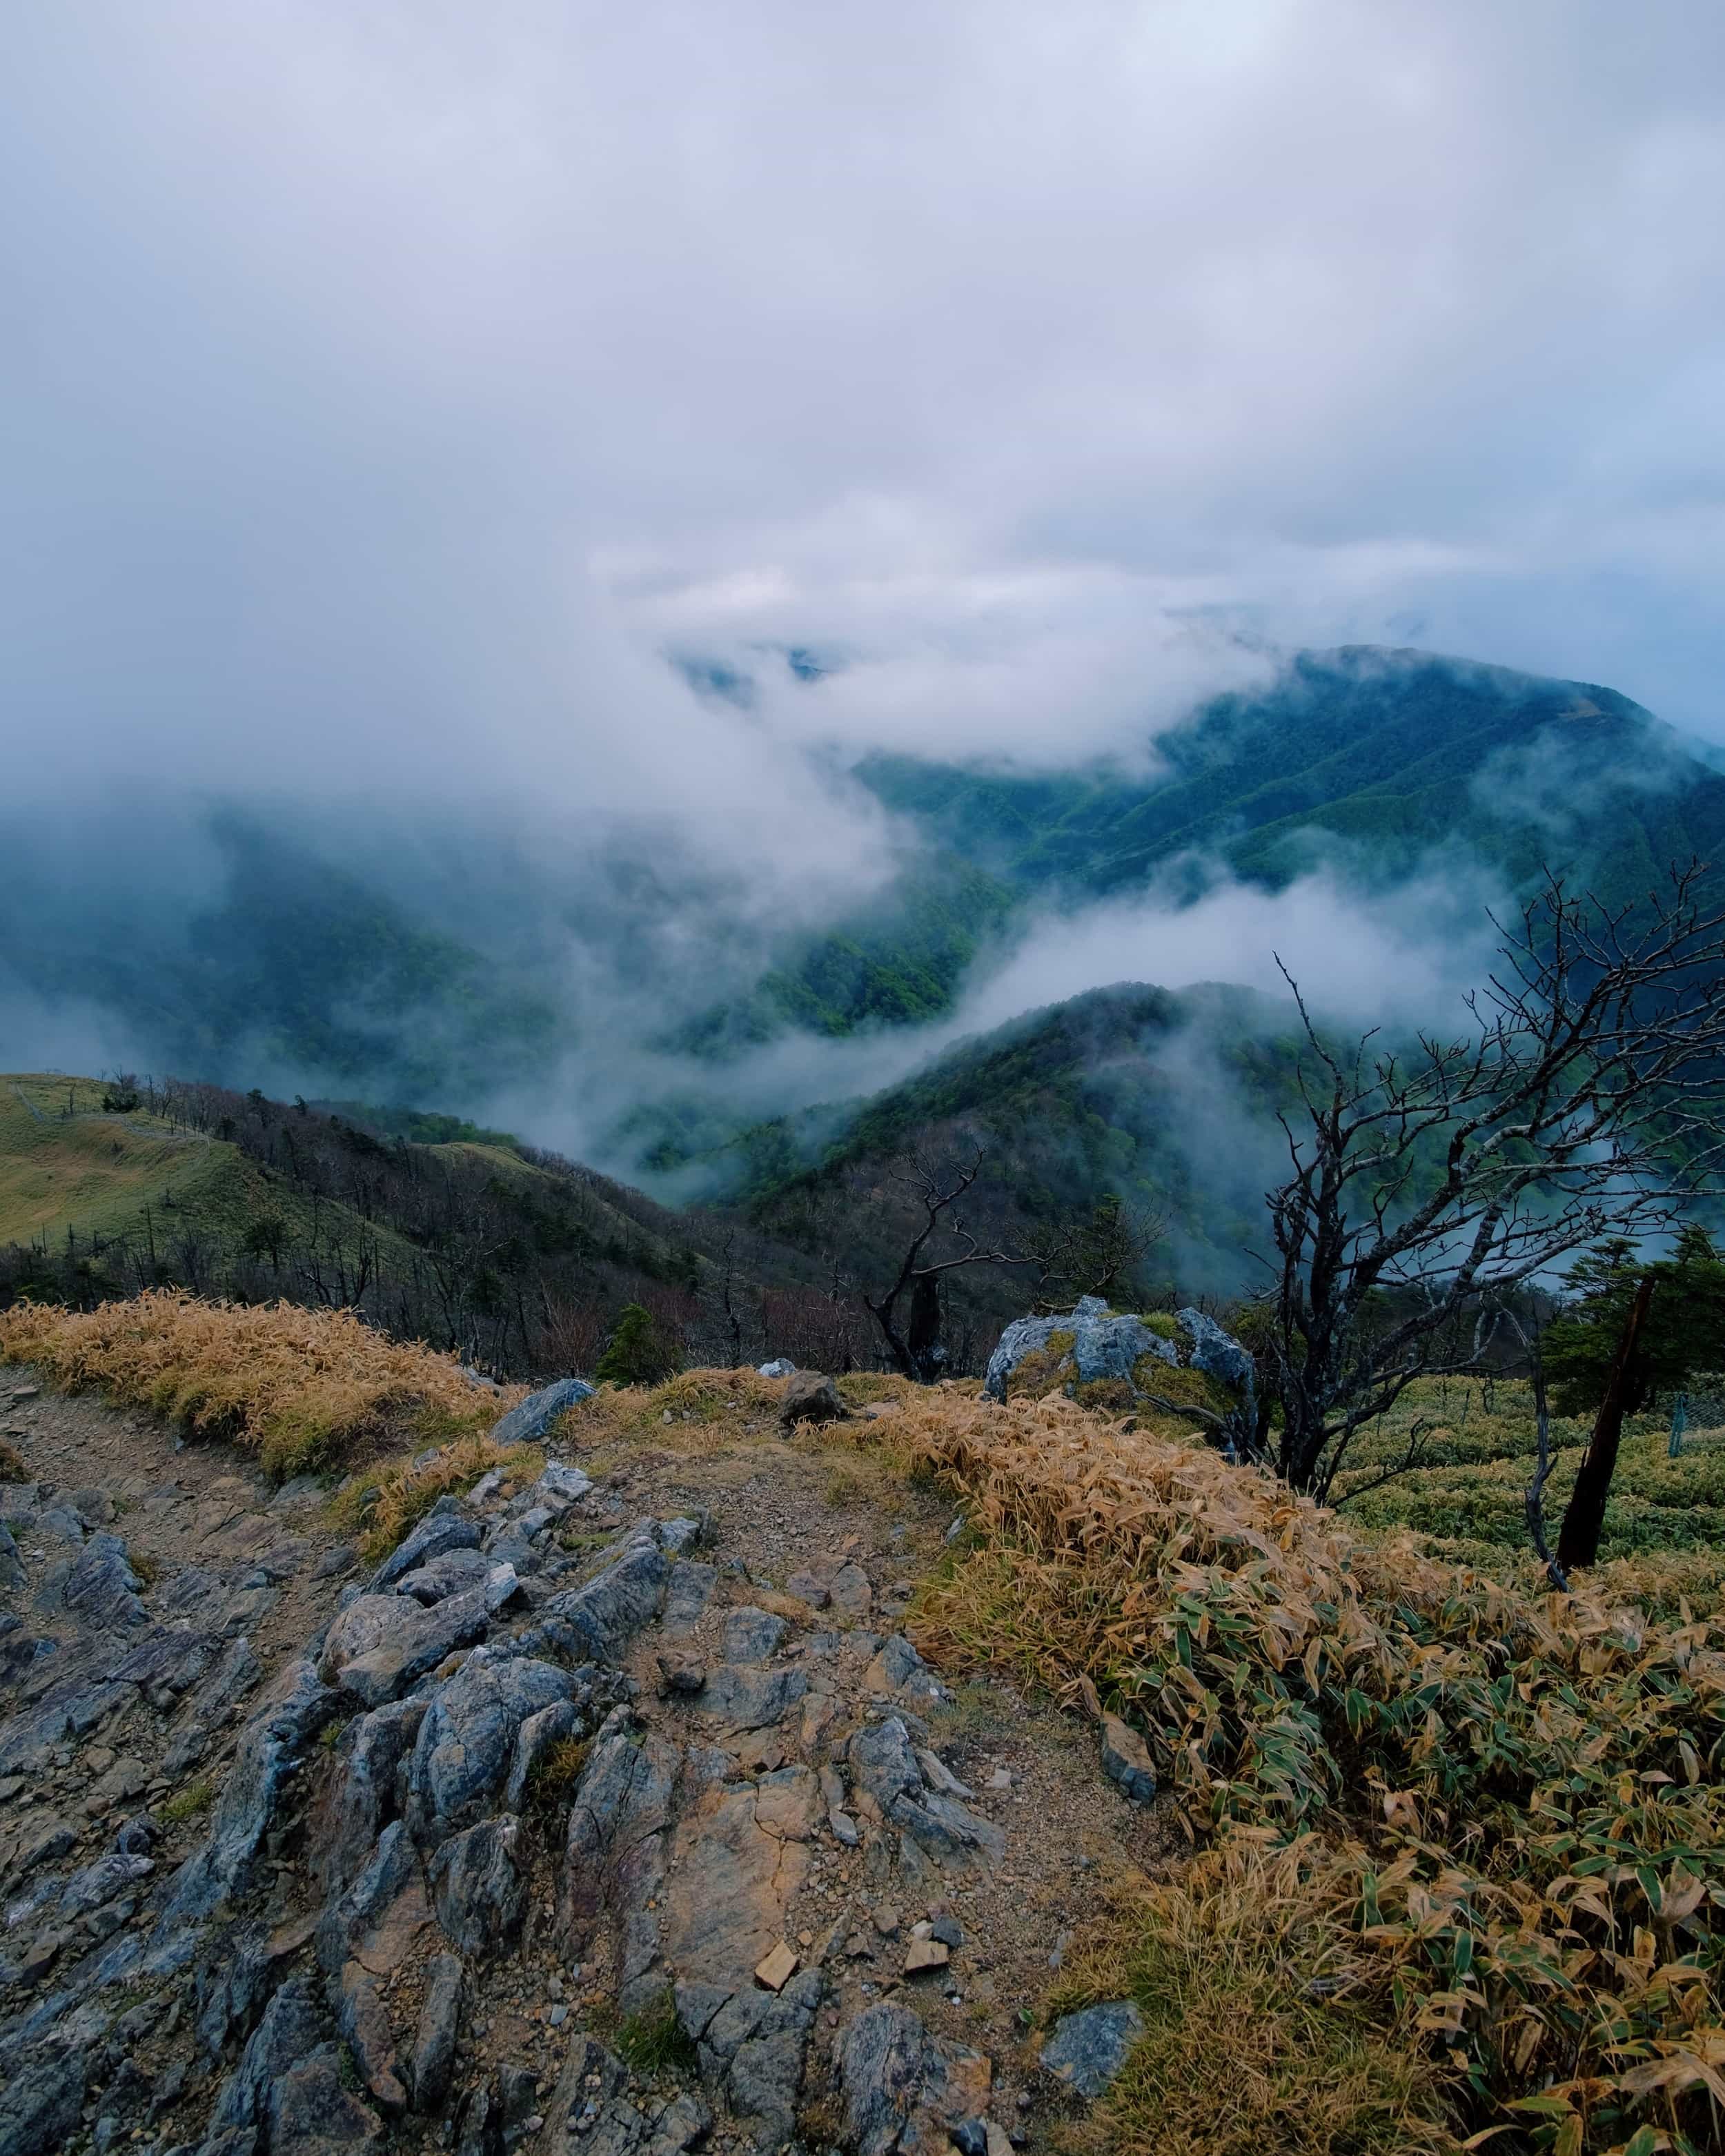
1268 2027
302 1388
12 1464
696 1411
1511 1802
553 1777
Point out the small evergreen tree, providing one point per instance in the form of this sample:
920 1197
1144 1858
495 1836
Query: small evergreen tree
636 1354
1684 1330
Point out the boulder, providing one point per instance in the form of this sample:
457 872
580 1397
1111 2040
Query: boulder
359 1802
593 2108
886 1774
901 2087
528 1422
614 1854
687 1597
749 1698
561 1487
312 2113
365 2024
466 1743
536 1740
752 2045
1118 1361
443 1528
753 1636
781 1366
376 1920
293 2025
743 1851
381 1644
616 1604
40 2107
439 2029
1086 2051
269 1755
452 1573
809 1397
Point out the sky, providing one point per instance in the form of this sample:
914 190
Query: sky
389 393
404 381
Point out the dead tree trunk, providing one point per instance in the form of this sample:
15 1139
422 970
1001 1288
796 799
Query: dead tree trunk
1584 1516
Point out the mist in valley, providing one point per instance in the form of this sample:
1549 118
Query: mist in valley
477 502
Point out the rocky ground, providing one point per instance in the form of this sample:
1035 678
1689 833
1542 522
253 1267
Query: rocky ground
617 1810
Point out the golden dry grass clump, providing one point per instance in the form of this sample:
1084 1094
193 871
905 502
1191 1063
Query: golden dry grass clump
694 1410
1269 2025
302 1388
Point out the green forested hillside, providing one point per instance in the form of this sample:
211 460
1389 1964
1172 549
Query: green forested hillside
517 1259
1162 1100
1394 753
1379 762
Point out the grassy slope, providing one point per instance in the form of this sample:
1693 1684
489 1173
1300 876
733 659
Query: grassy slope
91 1172
99 1174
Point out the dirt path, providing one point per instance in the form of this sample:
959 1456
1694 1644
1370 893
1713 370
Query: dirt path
754 1762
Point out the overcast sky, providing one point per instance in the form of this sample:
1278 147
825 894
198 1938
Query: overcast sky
387 387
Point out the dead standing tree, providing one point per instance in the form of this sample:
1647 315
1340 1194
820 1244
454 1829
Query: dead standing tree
1428 1188
936 1185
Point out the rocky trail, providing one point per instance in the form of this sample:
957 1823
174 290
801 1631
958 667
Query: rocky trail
614 1811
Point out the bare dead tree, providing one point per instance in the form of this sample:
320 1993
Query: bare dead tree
1096 1255
936 1184
1428 1187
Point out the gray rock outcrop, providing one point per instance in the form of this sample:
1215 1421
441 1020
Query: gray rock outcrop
1117 1359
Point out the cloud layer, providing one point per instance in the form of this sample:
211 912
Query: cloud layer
392 390
395 382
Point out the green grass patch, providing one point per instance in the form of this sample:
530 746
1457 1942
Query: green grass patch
652 2041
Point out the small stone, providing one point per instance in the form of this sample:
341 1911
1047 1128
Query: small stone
885 1921
807 1588
1125 1759
970 2137
926 1954
948 1930
844 1827
1000 1779
777 1968
556 2016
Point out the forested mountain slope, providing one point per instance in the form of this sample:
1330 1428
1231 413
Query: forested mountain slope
1390 752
